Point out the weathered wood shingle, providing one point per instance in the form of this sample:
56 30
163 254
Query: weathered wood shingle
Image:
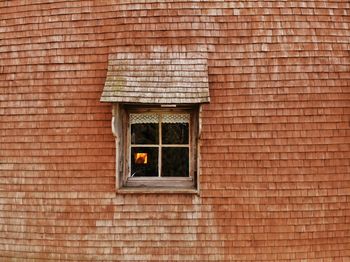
275 141
157 77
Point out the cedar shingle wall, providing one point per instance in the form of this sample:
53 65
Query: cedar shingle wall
275 182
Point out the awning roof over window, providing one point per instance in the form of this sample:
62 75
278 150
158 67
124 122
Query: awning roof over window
157 77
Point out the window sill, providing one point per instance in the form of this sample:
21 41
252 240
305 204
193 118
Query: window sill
156 190
157 185
159 182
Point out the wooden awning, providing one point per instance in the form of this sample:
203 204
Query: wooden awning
157 78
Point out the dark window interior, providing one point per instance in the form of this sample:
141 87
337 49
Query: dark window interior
174 133
145 134
175 162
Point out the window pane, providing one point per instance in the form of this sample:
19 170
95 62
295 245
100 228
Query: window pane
144 134
175 162
144 161
175 133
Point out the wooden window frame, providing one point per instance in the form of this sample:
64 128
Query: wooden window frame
160 144
121 126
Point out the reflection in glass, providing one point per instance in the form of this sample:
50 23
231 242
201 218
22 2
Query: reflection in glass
144 161
175 162
141 158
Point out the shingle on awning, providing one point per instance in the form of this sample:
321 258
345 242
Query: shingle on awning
157 77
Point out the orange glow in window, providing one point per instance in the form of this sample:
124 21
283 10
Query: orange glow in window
140 158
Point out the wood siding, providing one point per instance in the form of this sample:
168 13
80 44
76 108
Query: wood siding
275 154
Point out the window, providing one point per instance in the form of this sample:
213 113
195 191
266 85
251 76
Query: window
159 144
159 149
156 145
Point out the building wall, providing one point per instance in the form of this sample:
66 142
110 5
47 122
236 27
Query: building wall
275 182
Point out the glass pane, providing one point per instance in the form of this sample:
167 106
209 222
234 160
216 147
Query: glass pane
175 133
144 134
144 161
175 162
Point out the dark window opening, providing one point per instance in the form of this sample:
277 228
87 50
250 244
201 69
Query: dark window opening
159 145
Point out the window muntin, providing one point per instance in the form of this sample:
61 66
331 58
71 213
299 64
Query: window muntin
160 144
